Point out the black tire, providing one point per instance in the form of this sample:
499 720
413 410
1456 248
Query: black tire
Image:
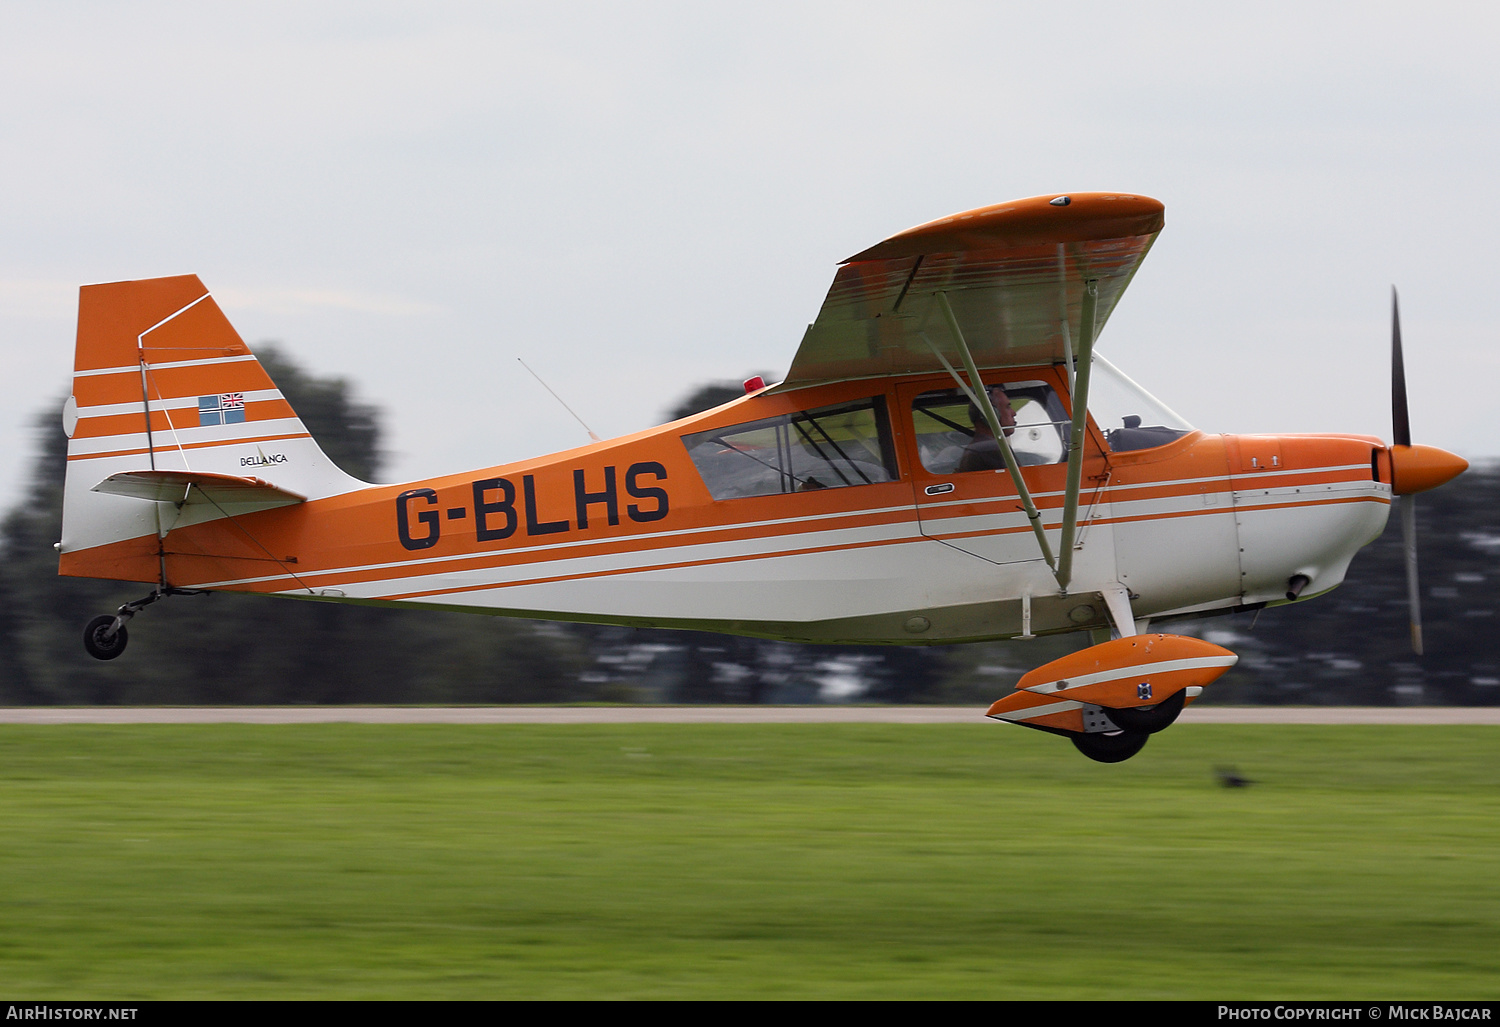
1116 747
1150 719
100 647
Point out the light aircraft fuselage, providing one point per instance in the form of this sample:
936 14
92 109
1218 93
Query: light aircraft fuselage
627 531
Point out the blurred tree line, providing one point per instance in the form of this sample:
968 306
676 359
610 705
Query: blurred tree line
227 648
1350 647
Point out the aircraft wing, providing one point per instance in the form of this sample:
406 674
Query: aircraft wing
1013 274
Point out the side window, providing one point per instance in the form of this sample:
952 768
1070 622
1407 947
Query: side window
828 448
952 434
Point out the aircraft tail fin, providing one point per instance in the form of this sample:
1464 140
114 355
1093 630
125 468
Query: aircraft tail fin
165 390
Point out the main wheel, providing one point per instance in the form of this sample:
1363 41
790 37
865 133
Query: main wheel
1115 747
1150 719
99 646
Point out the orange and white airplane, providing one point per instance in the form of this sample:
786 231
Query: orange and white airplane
948 460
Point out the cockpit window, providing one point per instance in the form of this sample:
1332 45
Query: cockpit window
828 448
952 434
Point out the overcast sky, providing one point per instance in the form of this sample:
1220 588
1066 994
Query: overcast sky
637 198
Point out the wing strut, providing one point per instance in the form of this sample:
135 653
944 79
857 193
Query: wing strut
1080 401
980 397
1062 565
1062 311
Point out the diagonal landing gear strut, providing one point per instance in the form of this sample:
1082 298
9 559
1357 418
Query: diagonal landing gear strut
105 636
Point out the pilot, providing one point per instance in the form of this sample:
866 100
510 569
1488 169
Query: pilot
983 452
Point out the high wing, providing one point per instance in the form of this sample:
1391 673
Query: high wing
1013 275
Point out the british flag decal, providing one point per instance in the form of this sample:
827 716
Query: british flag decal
226 408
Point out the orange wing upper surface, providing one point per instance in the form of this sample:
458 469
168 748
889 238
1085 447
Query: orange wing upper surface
1014 274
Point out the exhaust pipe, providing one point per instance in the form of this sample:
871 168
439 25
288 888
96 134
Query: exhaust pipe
1295 584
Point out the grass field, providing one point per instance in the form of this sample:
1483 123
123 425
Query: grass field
733 861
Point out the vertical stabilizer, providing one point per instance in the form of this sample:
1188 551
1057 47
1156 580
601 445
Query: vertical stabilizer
162 382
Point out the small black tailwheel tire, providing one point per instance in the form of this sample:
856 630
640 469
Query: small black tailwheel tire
1150 719
97 641
1114 747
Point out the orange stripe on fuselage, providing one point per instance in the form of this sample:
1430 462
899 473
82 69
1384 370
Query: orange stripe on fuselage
645 568
1162 516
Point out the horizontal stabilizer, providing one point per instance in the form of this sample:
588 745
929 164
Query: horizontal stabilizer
197 487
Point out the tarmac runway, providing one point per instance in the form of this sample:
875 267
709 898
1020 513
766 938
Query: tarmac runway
698 715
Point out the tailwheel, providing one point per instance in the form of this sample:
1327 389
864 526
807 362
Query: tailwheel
102 639
105 635
1150 719
1111 747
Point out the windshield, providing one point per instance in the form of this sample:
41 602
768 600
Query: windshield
1130 417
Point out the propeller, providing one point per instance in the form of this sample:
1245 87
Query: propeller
1406 505
1413 469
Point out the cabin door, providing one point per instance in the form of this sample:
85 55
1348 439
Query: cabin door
965 497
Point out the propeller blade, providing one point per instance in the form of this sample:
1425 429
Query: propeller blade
1401 436
1400 418
1408 508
